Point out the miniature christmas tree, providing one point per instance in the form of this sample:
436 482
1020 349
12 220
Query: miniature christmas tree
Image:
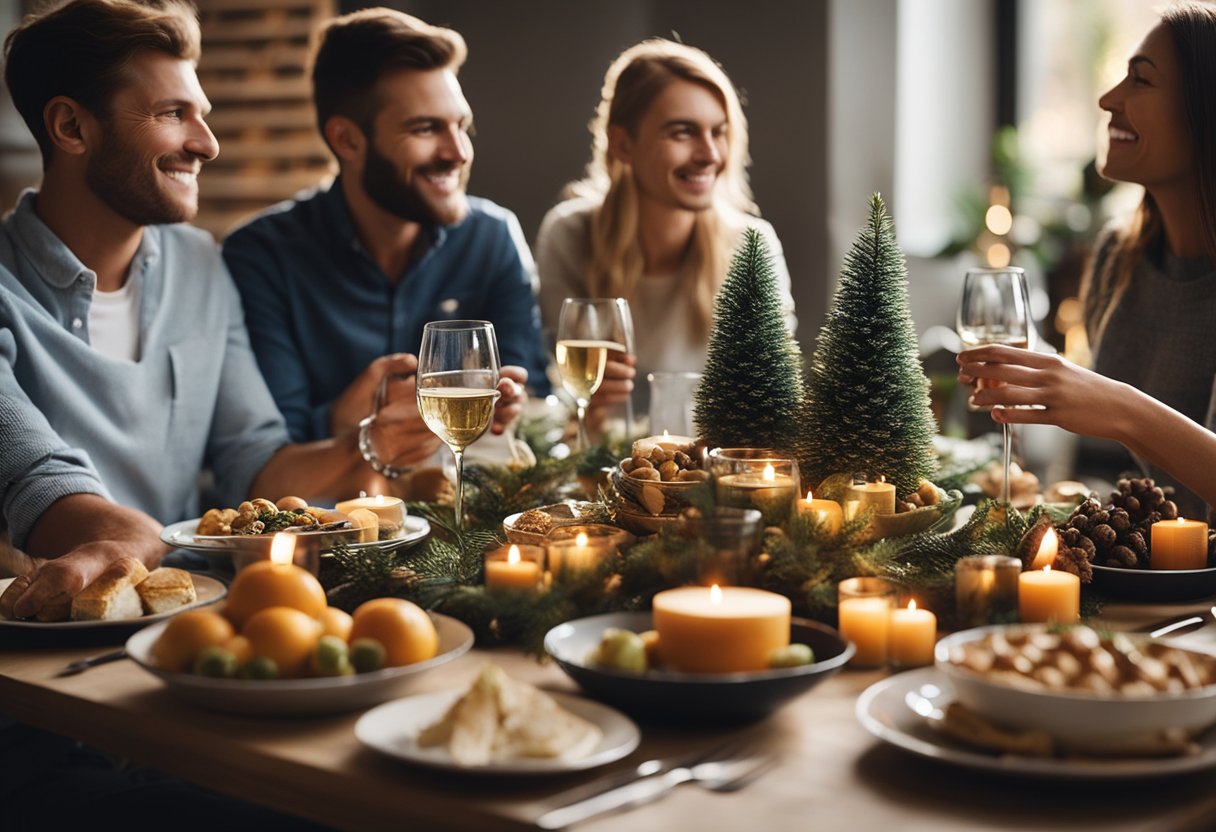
867 403
751 390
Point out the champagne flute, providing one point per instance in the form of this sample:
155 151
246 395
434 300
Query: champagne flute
457 387
995 309
586 331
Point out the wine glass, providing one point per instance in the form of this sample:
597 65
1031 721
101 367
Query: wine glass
588 329
457 387
995 309
626 323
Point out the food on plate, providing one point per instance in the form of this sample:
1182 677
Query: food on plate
112 595
186 636
620 650
500 717
662 465
536 520
791 655
261 516
1081 660
366 655
268 584
403 628
166 589
926 495
284 635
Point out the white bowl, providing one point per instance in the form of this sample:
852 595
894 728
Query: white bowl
1078 719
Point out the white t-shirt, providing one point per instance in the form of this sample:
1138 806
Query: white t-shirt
114 322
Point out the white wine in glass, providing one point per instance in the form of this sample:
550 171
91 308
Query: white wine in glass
995 309
588 330
457 387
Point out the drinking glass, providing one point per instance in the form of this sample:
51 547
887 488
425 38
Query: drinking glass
457 387
995 309
588 329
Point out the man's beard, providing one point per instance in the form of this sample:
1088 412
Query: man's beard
121 177
384 186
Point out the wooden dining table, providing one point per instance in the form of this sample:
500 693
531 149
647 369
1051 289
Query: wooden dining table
832 774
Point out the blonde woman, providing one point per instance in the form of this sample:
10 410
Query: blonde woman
659 212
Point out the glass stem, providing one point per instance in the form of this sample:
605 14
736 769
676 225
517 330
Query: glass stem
583 441
459 519
1006 455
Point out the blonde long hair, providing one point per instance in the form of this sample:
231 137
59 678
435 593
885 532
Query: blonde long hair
633 81
1192 26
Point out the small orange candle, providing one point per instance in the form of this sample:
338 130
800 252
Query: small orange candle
913 635
1048 550
827 513
1049 595
1179 544
864 609
513 571
720 629
877 497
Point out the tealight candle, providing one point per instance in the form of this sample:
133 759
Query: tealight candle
666 442
876 497
827 513
720 629
766 489
1178 544
864 609
517 568
582 547
913 635
1048 549
986 589
389 510
1049 595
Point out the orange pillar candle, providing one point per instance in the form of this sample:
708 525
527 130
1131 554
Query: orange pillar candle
827 513
720 629
1049 595
518 568
864 609
913 635
1178 544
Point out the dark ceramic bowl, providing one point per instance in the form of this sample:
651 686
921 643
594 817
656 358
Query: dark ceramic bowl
1155 584
693 697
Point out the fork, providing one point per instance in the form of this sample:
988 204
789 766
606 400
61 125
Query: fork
725 775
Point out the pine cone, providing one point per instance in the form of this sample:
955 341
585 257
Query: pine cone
1075 561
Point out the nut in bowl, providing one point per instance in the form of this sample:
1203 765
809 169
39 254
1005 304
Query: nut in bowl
1124 695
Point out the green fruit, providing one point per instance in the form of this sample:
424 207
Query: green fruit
215 661
366 655
331 657
621 650
792 655
260 667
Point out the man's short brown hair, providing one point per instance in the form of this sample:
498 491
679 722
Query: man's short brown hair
80 50
357 49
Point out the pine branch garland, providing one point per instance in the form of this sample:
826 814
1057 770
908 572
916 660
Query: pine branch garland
867 403
751 391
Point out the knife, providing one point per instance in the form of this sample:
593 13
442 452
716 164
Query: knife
84 664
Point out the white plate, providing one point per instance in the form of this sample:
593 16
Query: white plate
218 549
886 709
392 728
300 697
208 589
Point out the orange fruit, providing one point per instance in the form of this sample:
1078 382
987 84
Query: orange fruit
335 622
240 647
285 635
268 584
186 635
402 627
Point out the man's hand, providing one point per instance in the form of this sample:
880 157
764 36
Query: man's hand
48 594
399 436
511 403
617 386
358 400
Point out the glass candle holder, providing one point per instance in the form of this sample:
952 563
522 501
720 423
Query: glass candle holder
283 547
986 590
671 402
864 607
582 547
733 536
515 568
755 478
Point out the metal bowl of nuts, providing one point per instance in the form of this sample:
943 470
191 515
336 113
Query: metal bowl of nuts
1089 692
660 483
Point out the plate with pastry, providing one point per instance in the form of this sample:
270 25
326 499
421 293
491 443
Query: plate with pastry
126 594
499 726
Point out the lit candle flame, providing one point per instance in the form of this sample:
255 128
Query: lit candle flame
513 554
380 500
581 540
282 548
808 496
1047 568
912 604
1048 548
769 474
1181 520
715 594
881 478
666 435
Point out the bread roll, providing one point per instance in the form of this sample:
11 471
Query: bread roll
113 594
166 589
